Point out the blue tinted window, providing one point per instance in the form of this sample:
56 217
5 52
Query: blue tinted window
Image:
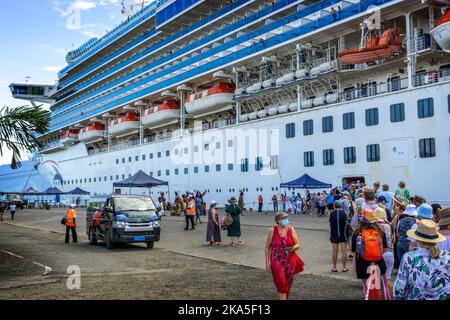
372 117
244 165
309 159
327 124
425 108
427 148
373 153
349 155
398 112
348 120
290 130
328 157
308 127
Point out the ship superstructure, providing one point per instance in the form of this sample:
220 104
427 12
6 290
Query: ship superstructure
246 94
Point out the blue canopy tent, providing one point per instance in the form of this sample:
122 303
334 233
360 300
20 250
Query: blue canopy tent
306 182
141 180
78 192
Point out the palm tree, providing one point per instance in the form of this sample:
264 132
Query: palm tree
18 129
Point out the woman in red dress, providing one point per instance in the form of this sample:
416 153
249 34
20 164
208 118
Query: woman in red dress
281 257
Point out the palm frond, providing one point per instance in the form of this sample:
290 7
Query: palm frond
18 129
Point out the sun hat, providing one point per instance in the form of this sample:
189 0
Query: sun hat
232 200
426 232
281 216
380 215
399 200
410 210
444 217
345 193
338 204
425 211
72 206
213 203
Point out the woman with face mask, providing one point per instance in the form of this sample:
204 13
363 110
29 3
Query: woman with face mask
281 257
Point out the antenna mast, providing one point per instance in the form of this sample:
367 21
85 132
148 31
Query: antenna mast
131 9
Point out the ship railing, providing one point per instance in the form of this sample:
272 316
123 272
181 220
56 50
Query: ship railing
219 124
420 43
432 76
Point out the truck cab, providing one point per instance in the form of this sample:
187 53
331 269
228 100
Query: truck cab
124 219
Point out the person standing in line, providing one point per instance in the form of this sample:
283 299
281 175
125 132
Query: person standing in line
403 192
444 229
407 221
2 211
299 203
199 207
275 203
389 196
12 209
213 233
281 257
260 203
338 237
190 212
424 272
241 202
322 205
283 202
234 230
436 212
380 218
71 224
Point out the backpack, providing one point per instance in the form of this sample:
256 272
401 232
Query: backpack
228 220
370 245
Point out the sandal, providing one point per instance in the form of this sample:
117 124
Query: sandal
241 242
345 270
334 270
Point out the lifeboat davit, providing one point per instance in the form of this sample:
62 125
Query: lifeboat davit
441 32
125 125
219 98
94 132
167 113
70 136
388 45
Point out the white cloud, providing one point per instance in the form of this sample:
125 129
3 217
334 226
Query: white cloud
51 68
59 51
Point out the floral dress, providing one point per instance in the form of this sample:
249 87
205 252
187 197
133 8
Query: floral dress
422 278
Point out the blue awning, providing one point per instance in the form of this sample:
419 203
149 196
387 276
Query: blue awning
306 182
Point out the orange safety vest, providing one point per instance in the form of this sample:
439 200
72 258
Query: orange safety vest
97 219
190 211
71 215
260 199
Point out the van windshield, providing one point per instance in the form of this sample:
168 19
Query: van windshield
134 204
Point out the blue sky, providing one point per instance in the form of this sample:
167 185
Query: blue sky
36 35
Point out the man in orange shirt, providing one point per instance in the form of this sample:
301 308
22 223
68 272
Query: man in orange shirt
71 224
190 211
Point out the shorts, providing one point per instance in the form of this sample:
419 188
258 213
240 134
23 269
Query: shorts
336 239
362 266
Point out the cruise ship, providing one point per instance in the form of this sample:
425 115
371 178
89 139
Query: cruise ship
223 96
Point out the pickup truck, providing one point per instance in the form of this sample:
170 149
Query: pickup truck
124 219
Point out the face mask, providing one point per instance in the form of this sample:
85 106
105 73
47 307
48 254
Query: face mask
285 222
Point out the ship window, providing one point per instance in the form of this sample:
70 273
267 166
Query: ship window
167 172
394 84
348 120
327 124
129 159
308 158
159 154
196 149
90 180
123 160
167 153
218 167
159 173
186 171
206 147
349 155
308 128
244 165
427 148
259 164
117 177
373 153
186 150
123 177
218 145
290 130
398 112
328 157
372 117
177 172
136 158
105 179
143 157
425 108
274 162
230 167
176 152
151 156
95 179
117 161
230 142
206 169
85 180
195 169
129 175
151 173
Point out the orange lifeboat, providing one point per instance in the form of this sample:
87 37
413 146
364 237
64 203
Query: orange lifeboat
94 132
388 45
218 98
441 32
125 125
70 136
164 114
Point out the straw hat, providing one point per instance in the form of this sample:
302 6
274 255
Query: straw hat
281 216
444 217
426 232
213 203
232 200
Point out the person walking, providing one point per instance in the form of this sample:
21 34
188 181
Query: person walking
283 202
424 272
444 229
338 237
281 257
213 233
199 207
381 219
275 203
260 203
234 230
190 211
404 225
71 224
12 209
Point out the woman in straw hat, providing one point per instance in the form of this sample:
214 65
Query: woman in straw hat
234 230
281 257
424 271
444 228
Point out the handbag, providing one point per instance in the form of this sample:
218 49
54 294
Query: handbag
64 220
228 220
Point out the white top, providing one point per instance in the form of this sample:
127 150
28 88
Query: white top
445 246
12 207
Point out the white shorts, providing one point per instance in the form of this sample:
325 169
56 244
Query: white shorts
388 258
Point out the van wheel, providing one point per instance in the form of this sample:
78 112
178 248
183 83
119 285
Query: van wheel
108 240
150 245
92 237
